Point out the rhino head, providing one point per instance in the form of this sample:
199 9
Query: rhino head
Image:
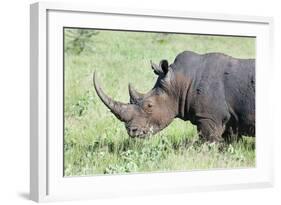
145 114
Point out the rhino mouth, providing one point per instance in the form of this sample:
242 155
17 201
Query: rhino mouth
136 132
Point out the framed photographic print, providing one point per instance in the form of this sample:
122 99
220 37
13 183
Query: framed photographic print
129 102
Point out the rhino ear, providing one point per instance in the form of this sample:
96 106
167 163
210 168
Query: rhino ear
160 69
165 66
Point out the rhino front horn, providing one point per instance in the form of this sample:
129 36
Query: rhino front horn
135 96
120 110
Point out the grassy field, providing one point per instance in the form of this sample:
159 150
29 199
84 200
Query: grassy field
95 142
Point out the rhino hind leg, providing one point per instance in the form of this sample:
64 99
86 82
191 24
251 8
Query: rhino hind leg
231 135
232 132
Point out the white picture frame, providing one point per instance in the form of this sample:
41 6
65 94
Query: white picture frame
46 139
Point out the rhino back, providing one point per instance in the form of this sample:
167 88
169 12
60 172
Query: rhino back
225 82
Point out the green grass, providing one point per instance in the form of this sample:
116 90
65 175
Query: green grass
95 142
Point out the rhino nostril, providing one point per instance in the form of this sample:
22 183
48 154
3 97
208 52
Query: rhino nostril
134 129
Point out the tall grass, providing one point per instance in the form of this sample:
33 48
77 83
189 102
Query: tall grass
95 142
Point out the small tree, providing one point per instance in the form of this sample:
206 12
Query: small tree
78 40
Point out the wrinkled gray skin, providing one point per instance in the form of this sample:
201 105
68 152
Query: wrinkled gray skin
214 91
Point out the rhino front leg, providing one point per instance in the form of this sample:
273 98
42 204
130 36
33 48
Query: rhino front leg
210 131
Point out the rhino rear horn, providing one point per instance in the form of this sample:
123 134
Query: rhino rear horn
119 109
135 96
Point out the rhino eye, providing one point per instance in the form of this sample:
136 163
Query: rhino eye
148 107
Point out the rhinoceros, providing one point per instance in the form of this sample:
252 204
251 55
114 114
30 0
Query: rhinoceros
213 91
